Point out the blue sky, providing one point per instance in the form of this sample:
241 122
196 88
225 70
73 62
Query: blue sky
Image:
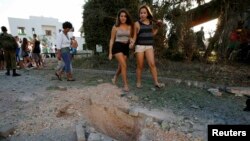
63 10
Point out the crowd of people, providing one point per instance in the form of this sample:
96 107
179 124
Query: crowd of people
23 53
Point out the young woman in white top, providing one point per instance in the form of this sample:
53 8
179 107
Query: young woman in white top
119 45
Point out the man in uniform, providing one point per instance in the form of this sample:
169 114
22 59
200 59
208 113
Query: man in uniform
9 45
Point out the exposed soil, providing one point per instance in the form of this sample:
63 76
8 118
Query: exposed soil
39 107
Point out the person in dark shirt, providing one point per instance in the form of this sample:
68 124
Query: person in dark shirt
36 51
200 39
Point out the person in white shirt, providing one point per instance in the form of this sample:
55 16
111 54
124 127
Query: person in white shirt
63 46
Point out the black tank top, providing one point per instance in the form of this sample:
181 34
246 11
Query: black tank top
37 47
145 35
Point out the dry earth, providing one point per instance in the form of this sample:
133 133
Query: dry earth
37 107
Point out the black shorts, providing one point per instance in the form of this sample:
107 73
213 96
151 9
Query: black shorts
1 57
120 47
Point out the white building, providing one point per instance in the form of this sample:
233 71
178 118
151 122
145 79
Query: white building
45 28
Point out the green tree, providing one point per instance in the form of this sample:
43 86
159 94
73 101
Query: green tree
231 12
180 35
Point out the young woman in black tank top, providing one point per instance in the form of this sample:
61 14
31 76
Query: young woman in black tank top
143 35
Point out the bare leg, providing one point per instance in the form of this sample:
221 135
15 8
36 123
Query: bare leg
151 62
123 69
118 72
139 68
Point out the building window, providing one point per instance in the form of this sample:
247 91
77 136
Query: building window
21 31
33 30
48 32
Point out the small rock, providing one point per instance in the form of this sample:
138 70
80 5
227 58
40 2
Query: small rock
94 137
149 122
7 130
165 125
189 83
133 113
153 89
195 107
134 98
215 92
100 80
80 133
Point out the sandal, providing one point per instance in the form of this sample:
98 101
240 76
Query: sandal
58 76
125 89
71 79
113 81
160 85
122 95
139 85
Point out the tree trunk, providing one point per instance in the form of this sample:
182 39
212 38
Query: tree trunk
216 37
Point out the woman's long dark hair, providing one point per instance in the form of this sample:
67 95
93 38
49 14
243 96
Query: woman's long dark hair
129 20
24 44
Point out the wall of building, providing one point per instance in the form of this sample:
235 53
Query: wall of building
39 26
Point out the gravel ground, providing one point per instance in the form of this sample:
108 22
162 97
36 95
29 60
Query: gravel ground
31 104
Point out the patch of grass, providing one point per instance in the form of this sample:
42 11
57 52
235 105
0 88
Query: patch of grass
232 75
193 102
